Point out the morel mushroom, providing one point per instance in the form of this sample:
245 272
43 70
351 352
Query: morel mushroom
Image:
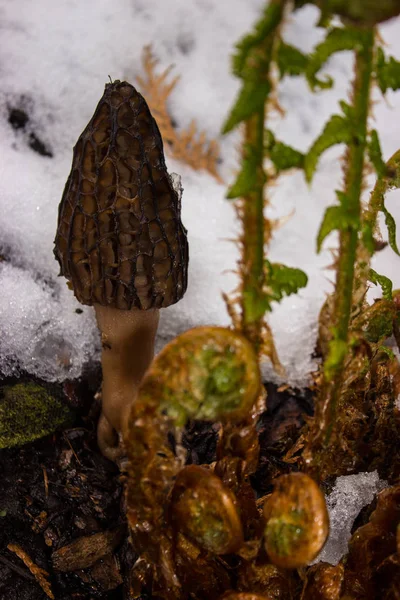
120 242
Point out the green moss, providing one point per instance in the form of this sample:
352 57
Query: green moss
28 412
376 322
379 327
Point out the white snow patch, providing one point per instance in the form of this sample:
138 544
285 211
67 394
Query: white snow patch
349 496
35 334
56 58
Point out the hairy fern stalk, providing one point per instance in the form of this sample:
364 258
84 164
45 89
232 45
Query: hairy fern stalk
355 161
357 226
258 55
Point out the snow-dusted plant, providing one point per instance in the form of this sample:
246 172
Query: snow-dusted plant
185 519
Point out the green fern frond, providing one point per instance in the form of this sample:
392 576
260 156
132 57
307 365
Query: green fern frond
383 281
387 72
290 60
337 40
283 281
264 27
391 227
363 13
282 156
248 179
388 181
375 154
337 131
338 218
251 99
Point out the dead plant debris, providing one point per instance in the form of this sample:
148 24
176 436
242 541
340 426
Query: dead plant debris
188 145
39 574
87 550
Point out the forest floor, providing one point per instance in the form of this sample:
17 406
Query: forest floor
63 533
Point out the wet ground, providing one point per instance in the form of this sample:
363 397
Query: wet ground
62 528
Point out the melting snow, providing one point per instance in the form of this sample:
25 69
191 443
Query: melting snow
56 58
349 496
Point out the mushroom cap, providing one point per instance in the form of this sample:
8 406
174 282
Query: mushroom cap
120 241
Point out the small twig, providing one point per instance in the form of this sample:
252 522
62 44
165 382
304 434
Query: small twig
73 451
46 482
18 570
39 574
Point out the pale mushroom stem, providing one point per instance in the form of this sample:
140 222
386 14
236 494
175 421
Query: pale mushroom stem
127 338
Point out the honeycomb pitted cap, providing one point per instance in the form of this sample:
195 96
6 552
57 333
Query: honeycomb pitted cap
120 241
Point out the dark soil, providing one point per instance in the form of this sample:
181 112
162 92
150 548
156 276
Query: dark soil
19 119
61 501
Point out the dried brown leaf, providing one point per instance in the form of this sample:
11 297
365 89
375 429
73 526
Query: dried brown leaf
323 582
231 304
268 349
86 551
107 573
372 568
189 145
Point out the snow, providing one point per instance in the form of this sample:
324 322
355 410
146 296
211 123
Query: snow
56 58
349 496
